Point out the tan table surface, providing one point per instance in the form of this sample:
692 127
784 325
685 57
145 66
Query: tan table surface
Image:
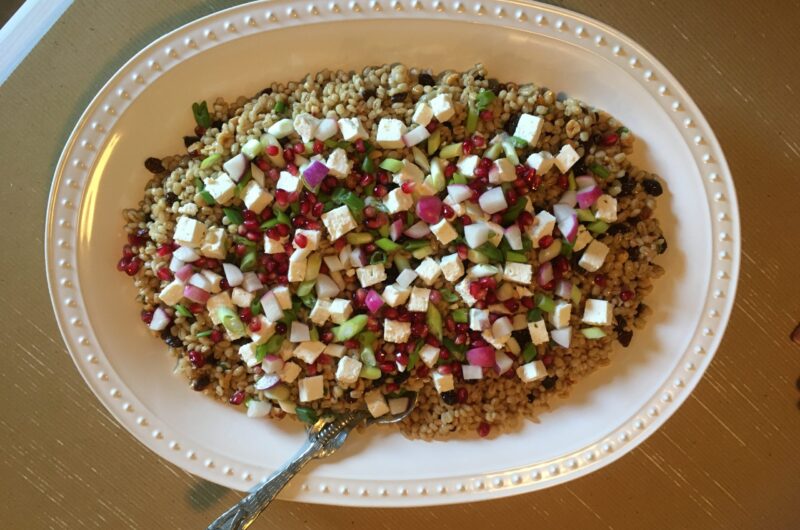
727 459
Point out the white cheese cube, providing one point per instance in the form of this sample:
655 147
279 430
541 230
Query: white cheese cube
185 255
566 158
606 206
297 267
541 162
503 170
255 197
518 273
501 329
241 298
264 333
462 288
423 114
444 231
287 350
299 332
172 293
338 164
247 353
479 319
428 270
532 371
188 232
559 318
221 188
310 388
394 295
312 240
338 222
390 133
470 372
594 256
452 267
289 372
320 312
283 295
458 208
214 243
482 271
396 331
398 405
273 246
529 128
326 129
406 278
466 166
597 312
334 263
543 224
214 280
340 310
495 342
376 403
308 351
348 370
442 107
584 238
419 299
352 129
443 382
289 182
538 331
281 128
429 355
398 201
334 350
371 274
306 125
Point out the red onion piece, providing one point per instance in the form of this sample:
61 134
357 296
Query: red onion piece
544 274
585 181
483 356
418 230
184 273
562 336
160 320
233 274
589 195
502 362
373 301
459 192
196 294
236 167
569 198
315 173
396 229
563 289
272 364
267 381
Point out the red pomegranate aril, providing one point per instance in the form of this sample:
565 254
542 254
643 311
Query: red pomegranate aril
383 177
351 344
610 139
447 211
326 336
435 296
527 302
299 148
146 316
288 154
241 230
196 309
311 369
486 115
481 172
497 218
545 241
475 289
360 147
164 274
599 280
254 325
387 367
274 174
626 295
392 387
248 214
512 305
484 429
133 267
379 190
301 240
318 147
407 186
463 251
283 230
563 182
280 328
262 164
547 360
450 170
240 250
273 150
127 252
164 250
292 168
237 398
477 140
366 180
445 369
250 224
253 236
305 207
197 359
245 313
525 219
466 220
122 264
317 209
561 264
549 286
432 126
216 336
422 371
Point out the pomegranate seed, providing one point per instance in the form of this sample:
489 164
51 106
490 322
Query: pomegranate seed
463 251
466 147
436 296
419 329
483 429
133 267
525 219
512 305
360 147
273 150
301 240
164 274
527 302
545 241
422 371
407 186
339 244
197 359
283 230
392 387
326 336
497 218
383 177
477 140
481 172
248 214
253 236
164 250
317 209
475 290
486 115
237 397
447 211
563 182
255 325
387 367
274 174
444 355
600 280
262 164
291 168
288 154
561 264
366 180
299 149
351 344
250 224
379 191
547 360
461 395
549 286
466 220
122 264
610 139
146 316
450 170
196 309
127 252
280 328
626 295
318 147
216 336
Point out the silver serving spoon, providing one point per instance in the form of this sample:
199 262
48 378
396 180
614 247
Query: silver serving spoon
323 440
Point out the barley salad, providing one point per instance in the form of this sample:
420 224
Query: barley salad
341 241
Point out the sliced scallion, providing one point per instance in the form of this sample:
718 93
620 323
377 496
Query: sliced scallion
349 328
207 198
516 257
391 165
306 415
204 333
599 170
279 108
593 333
387 244
450 151
434 141
529 352
358 238
233 215
461 316
182 311
472 120
201 116
248 261
545 303
434 320
230 320
598 227
210 160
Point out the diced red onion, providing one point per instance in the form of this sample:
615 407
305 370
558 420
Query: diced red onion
482 356
196 294
502 362
563 289
267 381
514 237
544 274
415 136
585 181
429 209
315 173
588 196
562 336
175 264
493 200
358 258
569 198
272 364
233 274
567 220
184 273
396 229
236 167
373 301
160 320
418 230
459 192
200 281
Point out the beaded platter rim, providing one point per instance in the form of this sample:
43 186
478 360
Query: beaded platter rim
132 79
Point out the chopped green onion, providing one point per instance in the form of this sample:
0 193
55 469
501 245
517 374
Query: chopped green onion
313 265
244 241
255 306
243 181
566 248
279 108
534 315
391 165
201 116
575 295
420 159
349 328
414 357
416 244
353 201
472 120
230 320
205 333
545 303
423 252
456 350
210 160
377 257
476 257
199 184
434 141
359 238
387 244
516 257
529 352
368 165
511 153
449 296
514 211
484 99
491 252
593 333
266 225
248 261
295 208
585 215
621 130
517 142
571 179
598 227
366 338
182 311
271 346
493 153
207 198
306 414
383 231
599 170
290 315
309 300
283 218
450 151
458 178
233 215
305 288
370 372
461 316
434 320
526 243
368 357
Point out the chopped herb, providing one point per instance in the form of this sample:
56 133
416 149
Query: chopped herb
472 120
233 215
201 116
458 178
271 346
368 165
455 350
529 353
449 296
517 142
349 328
545 303
566 248
279 108
248 261
414 357
230 320
585 215
370 372
484 99
306 414
283 218
491 252
198 184
182 311
241 240
377 257
534 315
266 225
513 212
416 244
434 141
387 244
516 257
598 227
593 333
391 165
205 333
621 130
353 202
207 198
308 300
599 170
210 160
434 321
450 151
305 288
255 306
461 316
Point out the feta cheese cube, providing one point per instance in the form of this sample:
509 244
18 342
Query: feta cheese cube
247 353
496 342
452 267
583 239
283 295
429 355
334 350
442 107
273 246
352 129
390 133
532 371
338 222
482 271
529 128
281 128
255 197
396 331
566 158
320 312
466 166
306 125
289 182
423 114
559 318
188 232
471 372
428 270
538 331
462 288
312 241
443 382
371 274
348 370
172 293
541 162
310 388
543 224
299 332
518 273
597 312
340 310
398 405
326 129
334 263
594 256
458 208
289 372
419 299
394 295
308 351
376 403
250 282
501 329
406 278
241 298
606 206
221 188
502 171
297 267
398 201
214 280
214 243
264 333
444 231
338 164
479 319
